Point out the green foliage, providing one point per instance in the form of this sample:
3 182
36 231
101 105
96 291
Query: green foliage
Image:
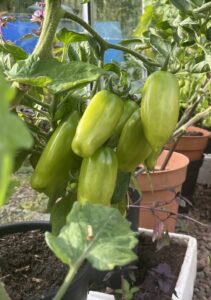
3 293
105 246
14 135
57 77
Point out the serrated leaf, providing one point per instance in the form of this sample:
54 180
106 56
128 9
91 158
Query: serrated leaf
96 233
54 75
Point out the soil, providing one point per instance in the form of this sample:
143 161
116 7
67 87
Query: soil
27 266
155 273
192 133
31 208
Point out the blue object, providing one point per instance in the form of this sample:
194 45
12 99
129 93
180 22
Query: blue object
111 32
15 30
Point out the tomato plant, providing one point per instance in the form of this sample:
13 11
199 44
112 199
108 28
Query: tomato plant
83 115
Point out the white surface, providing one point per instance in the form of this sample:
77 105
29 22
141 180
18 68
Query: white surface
99 296
185 283
204 176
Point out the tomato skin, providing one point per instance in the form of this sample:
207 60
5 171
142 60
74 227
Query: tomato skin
57 159
160 108
97 123
129 108
97 177
133 147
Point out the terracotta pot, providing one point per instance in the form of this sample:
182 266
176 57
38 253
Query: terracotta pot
208 148
193 146
162 189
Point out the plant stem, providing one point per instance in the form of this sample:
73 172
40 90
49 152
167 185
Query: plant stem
6 169
89 29
104 44
202 115
133 53
171 213
53 15
204 8
189 111
66 282
32 99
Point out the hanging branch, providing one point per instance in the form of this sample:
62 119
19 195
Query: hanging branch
104 44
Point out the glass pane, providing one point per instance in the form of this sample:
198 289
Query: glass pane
125 13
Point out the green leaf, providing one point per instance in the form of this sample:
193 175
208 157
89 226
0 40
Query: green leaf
122 183
145 20
60 210
67 37
161 46
3 293
17 52
6 61
182 5
14 134
97 233
54 75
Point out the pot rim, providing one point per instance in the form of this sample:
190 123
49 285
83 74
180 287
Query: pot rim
206 133
184 163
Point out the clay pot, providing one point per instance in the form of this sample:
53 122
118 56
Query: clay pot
161 187
193 146
208 148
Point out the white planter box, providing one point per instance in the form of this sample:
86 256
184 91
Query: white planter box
185 283
204 176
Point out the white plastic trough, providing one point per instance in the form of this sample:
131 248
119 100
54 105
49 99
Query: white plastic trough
185 283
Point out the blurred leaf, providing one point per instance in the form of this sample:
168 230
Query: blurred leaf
3 293
121 188
163 47
182 5
60 210
17 52
96 233
67 37
14 134
145 20
20 157
113 67
163 242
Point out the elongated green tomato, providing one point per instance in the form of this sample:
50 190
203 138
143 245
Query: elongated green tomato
97 177
151 160
133 147
52 170
160 108
129 108
97 123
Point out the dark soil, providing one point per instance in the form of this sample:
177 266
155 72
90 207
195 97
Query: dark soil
192 133
155 273
27 266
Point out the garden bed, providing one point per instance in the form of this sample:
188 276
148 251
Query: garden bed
201 211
